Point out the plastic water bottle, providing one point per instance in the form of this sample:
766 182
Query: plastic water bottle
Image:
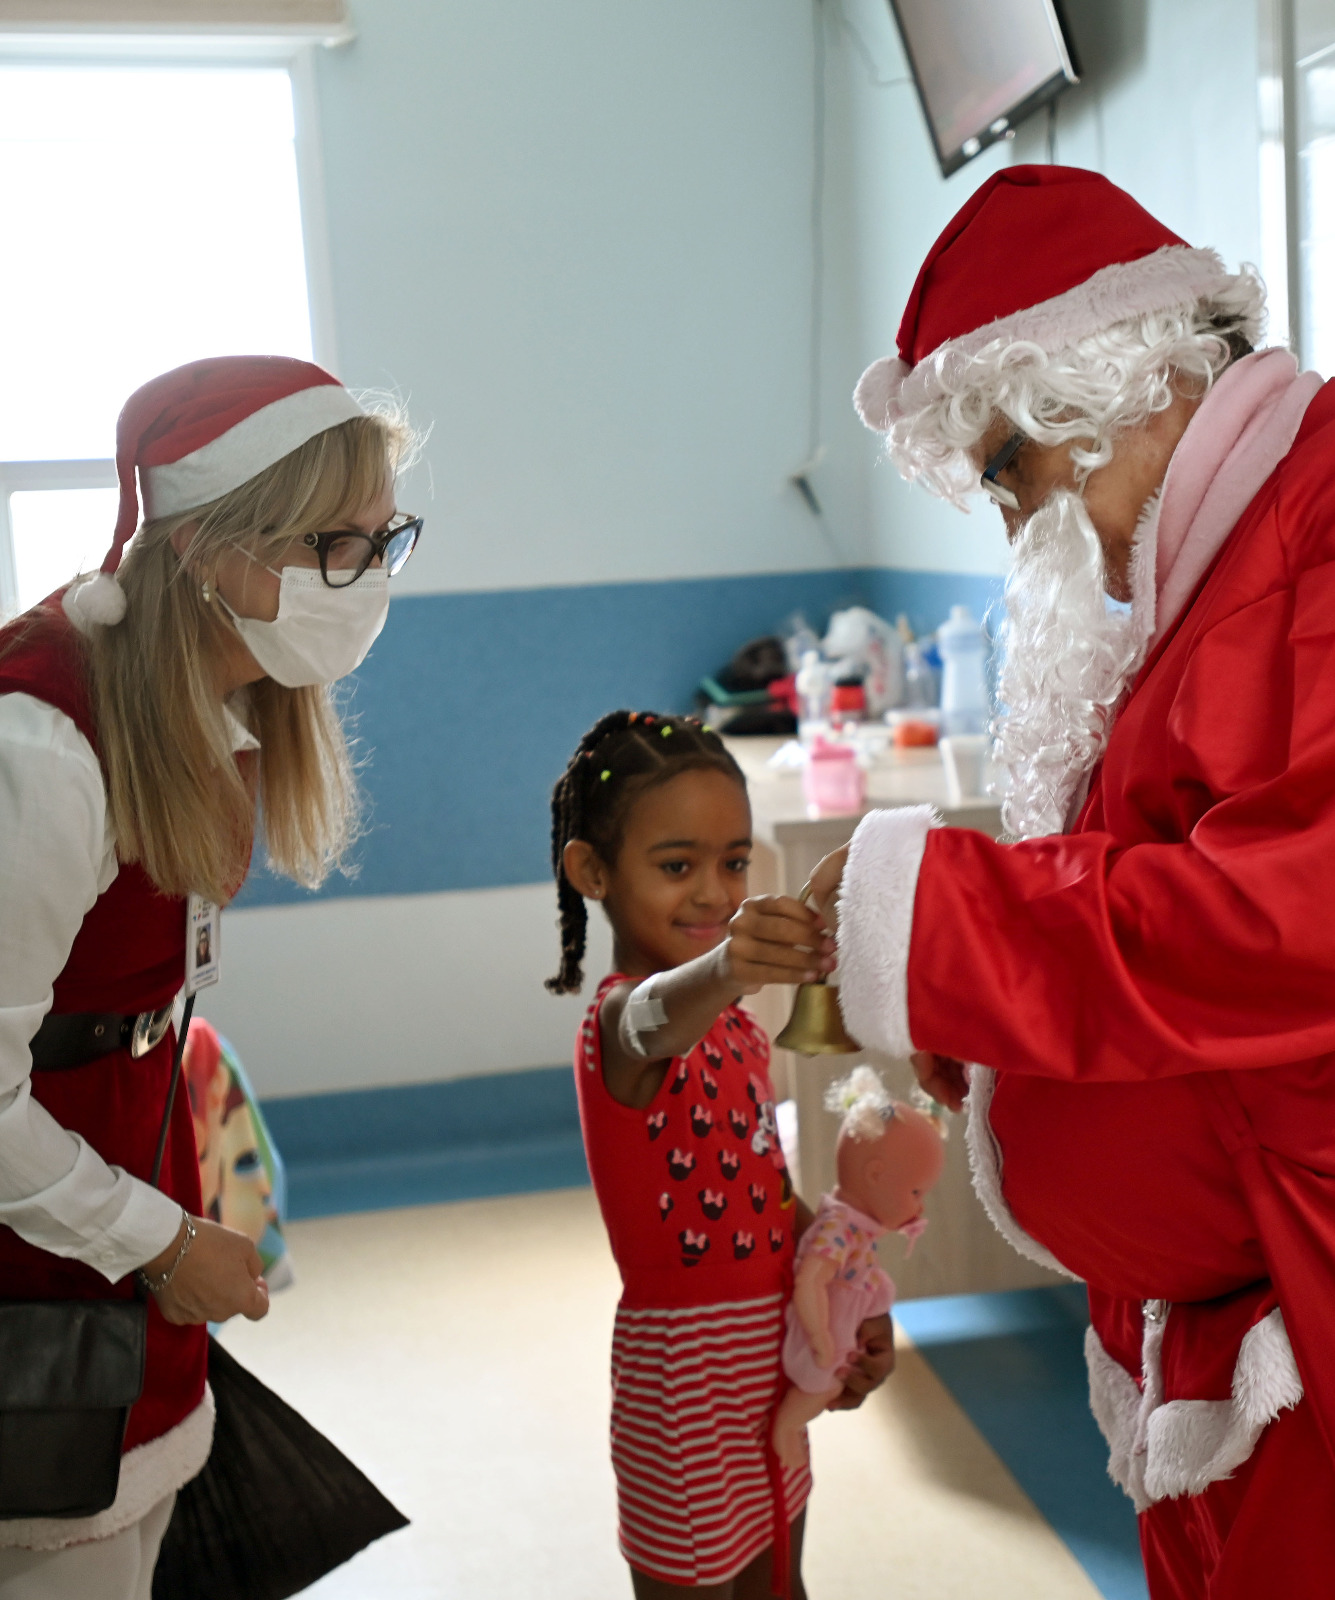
964 701
919 679
813 695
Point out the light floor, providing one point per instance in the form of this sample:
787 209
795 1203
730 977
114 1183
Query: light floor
459 1354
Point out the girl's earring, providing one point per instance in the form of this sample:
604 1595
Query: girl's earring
206 591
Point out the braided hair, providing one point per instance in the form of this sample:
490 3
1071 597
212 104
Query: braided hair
622 755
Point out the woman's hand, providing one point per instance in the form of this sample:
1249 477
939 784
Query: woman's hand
942 1077
220 1277
825 882
872 1365
776 939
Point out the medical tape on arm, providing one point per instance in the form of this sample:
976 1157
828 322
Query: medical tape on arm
644 1015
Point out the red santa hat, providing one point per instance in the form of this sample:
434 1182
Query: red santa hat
198 432
1044 254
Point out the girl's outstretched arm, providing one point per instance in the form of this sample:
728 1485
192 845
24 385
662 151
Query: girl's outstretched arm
771 939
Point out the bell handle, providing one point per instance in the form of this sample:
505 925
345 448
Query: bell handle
803 895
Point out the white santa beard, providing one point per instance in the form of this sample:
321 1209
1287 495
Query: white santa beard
1069 656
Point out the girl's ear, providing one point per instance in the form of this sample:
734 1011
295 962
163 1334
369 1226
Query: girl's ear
585 869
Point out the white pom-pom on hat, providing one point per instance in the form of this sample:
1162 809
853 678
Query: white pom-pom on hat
96 601
877 394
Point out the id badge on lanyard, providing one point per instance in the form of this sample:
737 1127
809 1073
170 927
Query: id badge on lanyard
203 943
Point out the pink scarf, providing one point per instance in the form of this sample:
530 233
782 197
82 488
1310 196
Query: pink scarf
1243 429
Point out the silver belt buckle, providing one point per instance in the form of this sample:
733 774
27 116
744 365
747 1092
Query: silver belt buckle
150 1029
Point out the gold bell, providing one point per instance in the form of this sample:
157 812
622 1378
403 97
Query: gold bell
816 1026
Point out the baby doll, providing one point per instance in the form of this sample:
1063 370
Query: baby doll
889 1156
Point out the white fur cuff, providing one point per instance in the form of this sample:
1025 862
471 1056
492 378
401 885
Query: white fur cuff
876 925
1157 1450
149 1472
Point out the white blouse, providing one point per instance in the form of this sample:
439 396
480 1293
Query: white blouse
57 855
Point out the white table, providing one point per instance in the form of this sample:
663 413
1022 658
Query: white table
961 1252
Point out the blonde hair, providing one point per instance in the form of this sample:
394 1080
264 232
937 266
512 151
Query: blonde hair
177 800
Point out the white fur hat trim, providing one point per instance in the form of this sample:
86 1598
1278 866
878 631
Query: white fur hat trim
1176 276
247 448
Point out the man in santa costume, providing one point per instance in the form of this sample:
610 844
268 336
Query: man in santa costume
1144 973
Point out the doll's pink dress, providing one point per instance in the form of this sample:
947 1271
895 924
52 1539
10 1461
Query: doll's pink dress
859 1289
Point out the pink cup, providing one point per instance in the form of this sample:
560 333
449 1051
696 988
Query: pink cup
832 781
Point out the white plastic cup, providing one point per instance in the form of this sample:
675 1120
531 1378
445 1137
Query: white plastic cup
964 756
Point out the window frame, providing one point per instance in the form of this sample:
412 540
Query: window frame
1285 222
296 54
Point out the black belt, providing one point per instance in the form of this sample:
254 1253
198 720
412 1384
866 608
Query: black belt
74 1038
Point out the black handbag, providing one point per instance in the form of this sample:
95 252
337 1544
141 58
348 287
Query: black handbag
69 1372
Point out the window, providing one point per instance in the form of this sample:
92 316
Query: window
1298 177
150 214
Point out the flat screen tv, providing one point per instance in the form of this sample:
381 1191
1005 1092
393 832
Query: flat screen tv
981 66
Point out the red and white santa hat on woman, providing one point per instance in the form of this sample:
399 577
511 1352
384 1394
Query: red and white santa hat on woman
197 433
1044 254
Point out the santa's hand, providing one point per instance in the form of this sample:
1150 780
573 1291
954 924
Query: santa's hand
824 885
872 1365
942 1077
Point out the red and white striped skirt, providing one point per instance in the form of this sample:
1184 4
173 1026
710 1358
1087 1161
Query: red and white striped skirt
693 1394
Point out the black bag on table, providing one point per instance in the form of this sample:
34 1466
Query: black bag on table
276 1507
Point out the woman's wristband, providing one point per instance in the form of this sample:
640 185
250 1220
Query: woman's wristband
156 1282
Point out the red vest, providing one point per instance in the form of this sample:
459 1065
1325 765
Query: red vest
128 956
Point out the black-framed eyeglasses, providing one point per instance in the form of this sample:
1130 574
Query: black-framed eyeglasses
344 555
999 462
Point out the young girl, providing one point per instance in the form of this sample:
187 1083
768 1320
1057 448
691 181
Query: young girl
651 819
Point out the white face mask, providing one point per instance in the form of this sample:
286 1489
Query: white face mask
320 634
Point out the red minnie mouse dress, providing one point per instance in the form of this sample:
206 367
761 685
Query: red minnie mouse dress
699 1212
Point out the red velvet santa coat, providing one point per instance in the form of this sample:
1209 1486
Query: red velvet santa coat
1156 991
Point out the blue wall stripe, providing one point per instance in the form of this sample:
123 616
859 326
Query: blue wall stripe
468 707
420 1144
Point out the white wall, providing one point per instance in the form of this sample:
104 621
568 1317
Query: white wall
343 994
577 237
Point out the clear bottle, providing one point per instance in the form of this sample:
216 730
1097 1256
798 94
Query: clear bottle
813 695
964 700
919 679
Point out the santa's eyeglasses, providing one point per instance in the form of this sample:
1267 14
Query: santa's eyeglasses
999 462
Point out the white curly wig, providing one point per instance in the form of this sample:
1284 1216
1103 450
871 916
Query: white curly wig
1113 379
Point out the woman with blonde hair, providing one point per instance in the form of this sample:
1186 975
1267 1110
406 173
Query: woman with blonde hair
150 716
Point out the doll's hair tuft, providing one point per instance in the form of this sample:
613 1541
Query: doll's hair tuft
863 1101
623 755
